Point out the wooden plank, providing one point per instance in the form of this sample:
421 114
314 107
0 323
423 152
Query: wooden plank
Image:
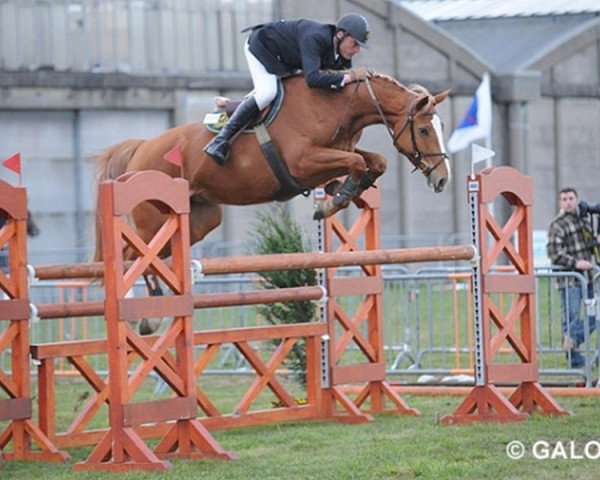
68 349
355 286
159 411
512 373
164 306
233 335
15 409
15 310
361 372
502 283
261 417
47 398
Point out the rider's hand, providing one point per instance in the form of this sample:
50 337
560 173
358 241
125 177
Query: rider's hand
359 74
583 265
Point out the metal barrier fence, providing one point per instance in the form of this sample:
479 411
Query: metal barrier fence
428 324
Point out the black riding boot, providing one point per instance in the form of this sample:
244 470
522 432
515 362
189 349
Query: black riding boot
218 147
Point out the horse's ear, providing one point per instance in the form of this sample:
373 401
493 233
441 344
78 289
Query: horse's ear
440 97
422 102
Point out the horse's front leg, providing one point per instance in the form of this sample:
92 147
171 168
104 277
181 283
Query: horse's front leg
343 193
376 166
322 164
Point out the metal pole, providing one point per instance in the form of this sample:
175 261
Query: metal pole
479 350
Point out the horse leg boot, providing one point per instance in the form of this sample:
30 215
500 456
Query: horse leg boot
218 147
341 199
347 192
366 181
342 194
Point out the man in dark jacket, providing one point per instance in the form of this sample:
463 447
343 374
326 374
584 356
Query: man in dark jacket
278 49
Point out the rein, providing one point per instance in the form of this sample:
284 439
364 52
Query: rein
417 158
345 114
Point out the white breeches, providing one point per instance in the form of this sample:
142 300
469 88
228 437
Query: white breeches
265 83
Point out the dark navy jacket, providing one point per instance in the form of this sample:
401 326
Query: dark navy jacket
286 46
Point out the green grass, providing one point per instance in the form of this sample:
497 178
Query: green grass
391 447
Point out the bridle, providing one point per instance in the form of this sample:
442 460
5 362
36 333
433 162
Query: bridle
417 158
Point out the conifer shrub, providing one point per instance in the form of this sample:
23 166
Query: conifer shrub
274 231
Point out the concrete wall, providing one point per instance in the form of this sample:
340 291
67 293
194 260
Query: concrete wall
57 149
59 118
565 134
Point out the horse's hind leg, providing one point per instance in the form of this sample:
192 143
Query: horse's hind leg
204 218
148 220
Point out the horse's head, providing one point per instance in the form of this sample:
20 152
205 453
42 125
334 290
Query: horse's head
418 136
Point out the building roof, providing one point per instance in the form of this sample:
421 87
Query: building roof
509 33
443 10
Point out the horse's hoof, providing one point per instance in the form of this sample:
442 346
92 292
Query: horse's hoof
319 213
149 325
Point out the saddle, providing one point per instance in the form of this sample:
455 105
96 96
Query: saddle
289 187
225 107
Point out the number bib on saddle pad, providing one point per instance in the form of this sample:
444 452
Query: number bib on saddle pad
216 120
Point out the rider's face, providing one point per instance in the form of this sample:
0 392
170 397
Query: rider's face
348 47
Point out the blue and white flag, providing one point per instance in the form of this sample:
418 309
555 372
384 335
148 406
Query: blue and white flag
477 123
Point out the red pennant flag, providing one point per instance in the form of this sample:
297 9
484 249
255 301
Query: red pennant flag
174 156
13 163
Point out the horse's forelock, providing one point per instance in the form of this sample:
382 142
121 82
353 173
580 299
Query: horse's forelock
417 88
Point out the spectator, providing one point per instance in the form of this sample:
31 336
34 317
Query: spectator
570 245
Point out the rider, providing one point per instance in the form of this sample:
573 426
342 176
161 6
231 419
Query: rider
278 49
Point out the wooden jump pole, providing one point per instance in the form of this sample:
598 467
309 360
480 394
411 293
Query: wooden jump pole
206 300
284 261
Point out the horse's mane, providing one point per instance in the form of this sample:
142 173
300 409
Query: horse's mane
413 87
374 74
388 78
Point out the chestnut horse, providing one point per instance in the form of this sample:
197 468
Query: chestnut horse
316 133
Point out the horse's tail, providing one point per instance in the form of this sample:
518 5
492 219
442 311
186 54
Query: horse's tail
111 163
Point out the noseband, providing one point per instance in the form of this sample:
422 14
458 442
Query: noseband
417 158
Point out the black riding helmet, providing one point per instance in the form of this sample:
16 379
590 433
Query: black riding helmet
356 26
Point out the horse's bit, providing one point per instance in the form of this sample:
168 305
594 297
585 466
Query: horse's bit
417 159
